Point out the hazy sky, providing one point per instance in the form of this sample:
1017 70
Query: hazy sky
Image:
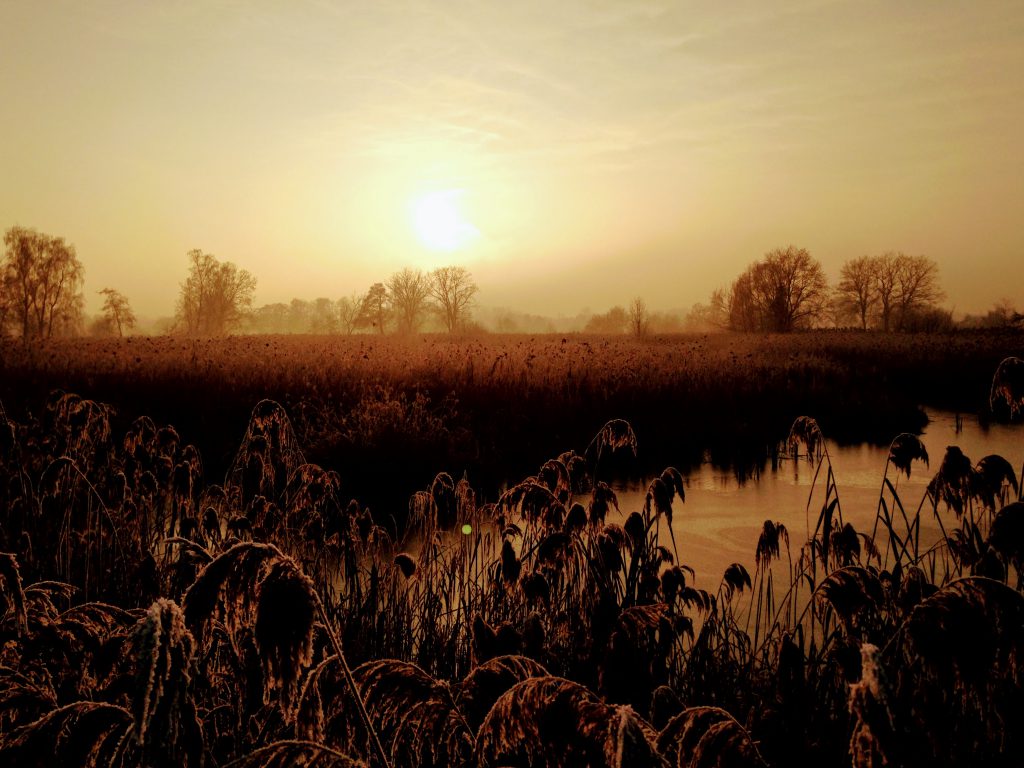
591 151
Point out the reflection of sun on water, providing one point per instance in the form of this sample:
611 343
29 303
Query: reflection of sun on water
439 223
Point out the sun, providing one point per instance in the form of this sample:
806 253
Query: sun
439 223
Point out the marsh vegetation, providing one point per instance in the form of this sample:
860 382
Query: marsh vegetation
163 603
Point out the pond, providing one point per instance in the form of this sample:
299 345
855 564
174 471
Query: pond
721 519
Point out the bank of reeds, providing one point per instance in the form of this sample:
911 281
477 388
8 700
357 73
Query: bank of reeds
493 404
152 616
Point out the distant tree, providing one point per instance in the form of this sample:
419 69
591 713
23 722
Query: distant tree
743 312
886 271
300 316
1003 314
40 284
612 321
270 318
639 317
856 293
117 311
917 287
888 289
347 308
666 321
713 316
718 309
375 308
215 296
453 289
506 323
323 316
100 325
782 292
410 294
929 319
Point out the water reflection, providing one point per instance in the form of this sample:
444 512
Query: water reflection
721 519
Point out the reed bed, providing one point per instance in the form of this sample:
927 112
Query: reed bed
150 615
492 404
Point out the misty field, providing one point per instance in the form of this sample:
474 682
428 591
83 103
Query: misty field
406 552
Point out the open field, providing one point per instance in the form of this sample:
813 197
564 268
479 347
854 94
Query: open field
208 595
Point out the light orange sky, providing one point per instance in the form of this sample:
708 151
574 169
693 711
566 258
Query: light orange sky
603 149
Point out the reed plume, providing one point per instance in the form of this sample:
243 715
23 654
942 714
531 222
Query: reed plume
550 722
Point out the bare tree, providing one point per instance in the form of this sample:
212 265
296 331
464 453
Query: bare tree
41 284
784 291
348 308
639 317
897 286
410 291
917 287
375 308
453 289
215 296
886 270
856 293
117 312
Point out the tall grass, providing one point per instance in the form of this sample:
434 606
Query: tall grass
151 616
494 404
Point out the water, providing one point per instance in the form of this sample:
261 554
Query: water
721 519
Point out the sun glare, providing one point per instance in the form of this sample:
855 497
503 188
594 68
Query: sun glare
439 223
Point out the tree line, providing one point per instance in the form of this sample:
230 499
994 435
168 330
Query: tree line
407 302
787 290
216 298
41 295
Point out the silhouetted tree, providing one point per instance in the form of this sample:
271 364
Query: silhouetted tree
856 293
890 289
639 317
117 311
886 268
409 291
744 314
215 296
453 289
784 291
917 287
375 308
40 284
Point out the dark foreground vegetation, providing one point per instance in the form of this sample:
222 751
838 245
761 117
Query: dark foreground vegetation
154 614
